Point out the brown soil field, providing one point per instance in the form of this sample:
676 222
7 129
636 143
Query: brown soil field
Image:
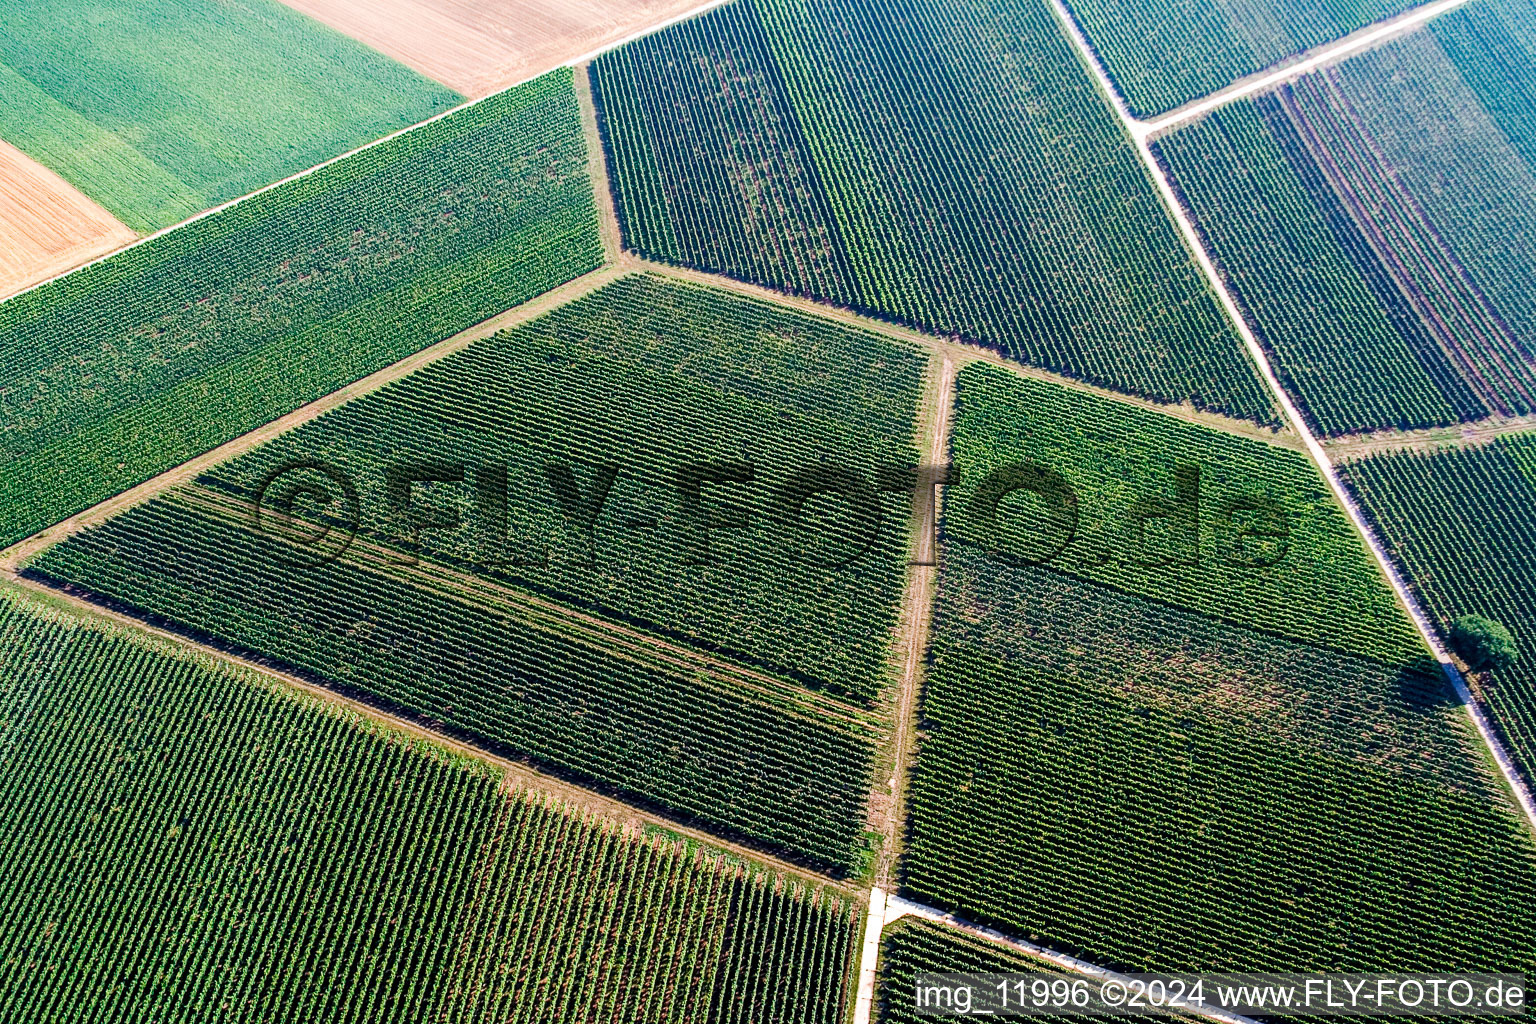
46 227
479 46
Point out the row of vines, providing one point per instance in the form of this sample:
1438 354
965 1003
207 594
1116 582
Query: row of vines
184 842
949 165
1372 220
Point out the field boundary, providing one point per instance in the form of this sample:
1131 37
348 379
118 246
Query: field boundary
1294 418
611 808
12 557
574 63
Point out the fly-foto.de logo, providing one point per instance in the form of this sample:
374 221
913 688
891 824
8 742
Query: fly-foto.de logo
825 514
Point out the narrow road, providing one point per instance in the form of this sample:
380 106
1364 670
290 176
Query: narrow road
1329 53
1293 416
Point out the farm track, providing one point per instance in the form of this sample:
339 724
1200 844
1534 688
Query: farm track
888 803
517 773
1321 56
1518 790
1465 435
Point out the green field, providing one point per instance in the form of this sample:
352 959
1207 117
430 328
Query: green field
1371 221
1194 543
185 842
136 364
594 663
948 164
1261 772
1459 522
158 110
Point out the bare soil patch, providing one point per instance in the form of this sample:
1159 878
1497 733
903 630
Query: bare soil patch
46 226
480 46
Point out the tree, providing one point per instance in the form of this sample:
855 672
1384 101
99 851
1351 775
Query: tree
1483 643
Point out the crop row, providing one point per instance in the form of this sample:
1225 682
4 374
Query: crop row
1221 524
140 362
1164 834
185 843
641 726
847 151
1369 218
1459 522
639 388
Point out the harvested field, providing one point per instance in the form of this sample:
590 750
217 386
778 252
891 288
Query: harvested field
477 47
46 226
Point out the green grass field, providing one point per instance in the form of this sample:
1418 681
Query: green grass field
140 362
158 110
185 842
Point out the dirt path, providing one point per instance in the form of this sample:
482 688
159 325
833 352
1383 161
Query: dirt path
1328 53
1517 788
46 225
887 803
517 773
22 550
1466 435
597 167
962 352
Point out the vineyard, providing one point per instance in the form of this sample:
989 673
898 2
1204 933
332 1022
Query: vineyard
255 92
186 843
1122 771
845 151
1230 527
1459 522
597 659
136 364
1161 56
651 380
1370 218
